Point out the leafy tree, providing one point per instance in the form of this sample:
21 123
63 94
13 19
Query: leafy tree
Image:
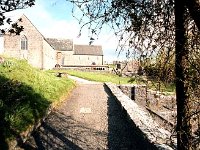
162 67
147 26
11 5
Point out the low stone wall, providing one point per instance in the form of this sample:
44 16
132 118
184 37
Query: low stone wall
150 98
158 99
155 102
143 120
138 93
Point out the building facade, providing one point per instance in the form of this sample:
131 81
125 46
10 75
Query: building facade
45 53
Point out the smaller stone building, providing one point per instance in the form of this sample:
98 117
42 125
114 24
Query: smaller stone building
45 53
69 54
128 67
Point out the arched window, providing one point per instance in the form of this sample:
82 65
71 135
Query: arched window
24 43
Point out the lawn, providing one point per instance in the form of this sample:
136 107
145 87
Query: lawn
25 95
97 76
108 77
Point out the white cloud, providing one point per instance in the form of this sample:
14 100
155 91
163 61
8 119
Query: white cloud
61 29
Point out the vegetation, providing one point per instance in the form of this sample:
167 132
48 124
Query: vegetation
162 68
108 77
97 76
8 6
25 95
144 28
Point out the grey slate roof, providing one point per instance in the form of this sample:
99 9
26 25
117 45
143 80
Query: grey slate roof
60 44
88 50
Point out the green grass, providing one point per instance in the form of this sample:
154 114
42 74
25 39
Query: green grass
112 66
108 77
166 88
97 76
162 87
26 93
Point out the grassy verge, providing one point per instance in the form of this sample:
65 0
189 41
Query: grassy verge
167 88
97 76
25 95
107 77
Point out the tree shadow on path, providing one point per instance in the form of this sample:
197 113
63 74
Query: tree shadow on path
63 132
122 132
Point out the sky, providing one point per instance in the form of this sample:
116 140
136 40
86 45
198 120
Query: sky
53 18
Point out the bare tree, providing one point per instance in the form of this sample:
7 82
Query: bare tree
144 28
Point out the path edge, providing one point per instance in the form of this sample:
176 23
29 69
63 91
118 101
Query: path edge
142 120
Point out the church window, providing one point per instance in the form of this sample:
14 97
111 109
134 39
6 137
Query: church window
24 43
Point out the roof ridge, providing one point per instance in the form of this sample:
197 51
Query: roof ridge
88 50
63 45
58 38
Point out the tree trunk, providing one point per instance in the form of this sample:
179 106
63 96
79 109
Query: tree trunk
181 69
194 9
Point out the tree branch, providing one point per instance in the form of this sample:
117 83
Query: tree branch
194 9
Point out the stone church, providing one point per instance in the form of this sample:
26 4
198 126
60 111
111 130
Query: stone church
45 53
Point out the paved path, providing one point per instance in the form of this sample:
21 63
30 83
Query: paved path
88 119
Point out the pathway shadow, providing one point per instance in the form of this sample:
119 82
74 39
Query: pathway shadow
53 139
60 131
122 132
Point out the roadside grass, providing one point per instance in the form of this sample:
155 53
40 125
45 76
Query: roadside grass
166 88
153 84
108 77
25 95
96 76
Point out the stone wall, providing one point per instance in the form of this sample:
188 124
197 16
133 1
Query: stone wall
84 60
154 99
143 120
138 93
49 56
39 54
158 99
161 107
68 57
129 67
1 44
12 44
87 60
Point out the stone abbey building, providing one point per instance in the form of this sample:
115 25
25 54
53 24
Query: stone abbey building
45 53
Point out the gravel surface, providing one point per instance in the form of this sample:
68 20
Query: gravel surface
89 119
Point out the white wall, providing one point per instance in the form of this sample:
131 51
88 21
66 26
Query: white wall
87 60
68 57
71 59
1 44
49 56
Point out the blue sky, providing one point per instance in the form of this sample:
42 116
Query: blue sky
53 18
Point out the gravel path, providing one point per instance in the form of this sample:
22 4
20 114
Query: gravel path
88 119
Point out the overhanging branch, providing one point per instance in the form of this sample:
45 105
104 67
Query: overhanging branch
194 9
